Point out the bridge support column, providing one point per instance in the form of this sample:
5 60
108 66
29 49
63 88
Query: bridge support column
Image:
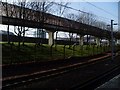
97 41
50 37
81 40
118 41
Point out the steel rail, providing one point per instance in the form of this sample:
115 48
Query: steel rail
17 81
96 81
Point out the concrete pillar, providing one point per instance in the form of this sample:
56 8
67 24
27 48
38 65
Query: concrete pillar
97 40
50 37
81 40
118 42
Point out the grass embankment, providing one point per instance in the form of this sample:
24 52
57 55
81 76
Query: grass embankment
33 52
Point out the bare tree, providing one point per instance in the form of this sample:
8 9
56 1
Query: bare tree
7 14
24 4
60 11
71 16
42 7
91 19
18 9
87 18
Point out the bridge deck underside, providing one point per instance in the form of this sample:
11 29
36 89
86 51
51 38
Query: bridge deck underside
51 27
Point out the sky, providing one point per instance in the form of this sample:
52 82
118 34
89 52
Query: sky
104 9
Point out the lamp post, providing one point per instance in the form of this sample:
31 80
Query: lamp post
112 38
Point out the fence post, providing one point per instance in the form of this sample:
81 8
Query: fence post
97 49
74 49
93 49
11 49
35 53
51 51
82 47
64 51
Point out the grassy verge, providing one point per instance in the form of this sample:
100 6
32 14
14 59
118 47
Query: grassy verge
33 52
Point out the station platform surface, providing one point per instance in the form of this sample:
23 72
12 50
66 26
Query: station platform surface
114 83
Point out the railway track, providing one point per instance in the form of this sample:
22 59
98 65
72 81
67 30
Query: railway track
9 83
95 82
